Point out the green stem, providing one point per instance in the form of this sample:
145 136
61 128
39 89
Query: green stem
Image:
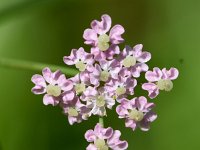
34 66
101 121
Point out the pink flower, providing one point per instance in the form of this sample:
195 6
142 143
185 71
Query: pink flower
137 113
159 80
80 59
97 36
54 84
134 59
104 71
75 110
98 100
81 81
105 138
122 86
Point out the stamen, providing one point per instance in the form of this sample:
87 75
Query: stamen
53 90
166 85
120 91
100 144
100 102
103 42
72 112
129 61
80 88
81 66
104 75
136 115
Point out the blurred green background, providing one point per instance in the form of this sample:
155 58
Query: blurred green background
46 30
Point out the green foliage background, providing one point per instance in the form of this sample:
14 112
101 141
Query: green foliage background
46 30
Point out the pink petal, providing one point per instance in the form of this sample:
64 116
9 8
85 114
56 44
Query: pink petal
151 88
70 60
47 99
47 74
151 116
38 89
115 137
121 111
80 53
138 68
56 75
115 34
91 147
90 36
68 96
90 136
145 126
103 26
130 123
154 75
138 50
171 74
107 133
123 145
38 80
144 57
141 102
113 49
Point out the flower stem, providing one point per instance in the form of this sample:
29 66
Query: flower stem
34 66
101 121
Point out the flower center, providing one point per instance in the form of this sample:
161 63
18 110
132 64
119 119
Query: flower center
104 75
120 90
136 115
81 66
103 42
53 90
72 112
100 144
80 88
166 85
129 61
100 102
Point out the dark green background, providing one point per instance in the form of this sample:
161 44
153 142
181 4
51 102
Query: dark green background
46 30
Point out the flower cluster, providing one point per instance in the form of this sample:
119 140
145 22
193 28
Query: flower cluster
107 76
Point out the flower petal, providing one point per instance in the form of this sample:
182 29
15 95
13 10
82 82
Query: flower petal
38 89
141 102
154 75
47 74
38 80
130 123
115 34
47 99
90 36
103 26
91 147
151 88
171 74
90 136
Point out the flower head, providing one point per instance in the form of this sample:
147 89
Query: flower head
54 85
159 80
104 138
107 76
137 112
